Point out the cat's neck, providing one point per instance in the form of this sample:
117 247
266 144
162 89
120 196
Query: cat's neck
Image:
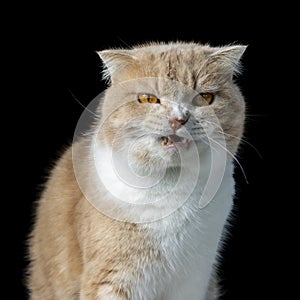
146 200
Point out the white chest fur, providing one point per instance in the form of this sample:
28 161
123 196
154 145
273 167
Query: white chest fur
186 235
189 240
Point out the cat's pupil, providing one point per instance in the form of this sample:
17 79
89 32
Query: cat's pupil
147 98
203 99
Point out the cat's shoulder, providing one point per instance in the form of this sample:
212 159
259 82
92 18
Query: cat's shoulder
62 179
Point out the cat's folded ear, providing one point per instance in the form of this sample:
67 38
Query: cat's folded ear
228 58
115 62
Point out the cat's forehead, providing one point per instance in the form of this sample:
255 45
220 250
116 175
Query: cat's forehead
176 62
173 48
187 63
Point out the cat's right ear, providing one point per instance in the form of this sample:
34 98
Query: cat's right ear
115 63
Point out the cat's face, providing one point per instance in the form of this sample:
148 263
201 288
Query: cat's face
166 99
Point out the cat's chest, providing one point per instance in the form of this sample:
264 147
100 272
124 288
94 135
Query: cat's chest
179 238
188 239
179 241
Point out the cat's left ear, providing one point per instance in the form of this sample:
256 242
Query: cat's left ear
228 58
116 61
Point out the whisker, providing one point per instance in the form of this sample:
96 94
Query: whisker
209 145
244 141
76 99
233 156
256 115
238 138
202 138
127 45
213 123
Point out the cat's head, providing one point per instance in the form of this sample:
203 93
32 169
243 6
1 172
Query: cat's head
163 98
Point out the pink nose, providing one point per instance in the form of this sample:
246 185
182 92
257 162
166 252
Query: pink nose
177 123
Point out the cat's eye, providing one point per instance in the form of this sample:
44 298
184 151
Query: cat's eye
203 99
148 98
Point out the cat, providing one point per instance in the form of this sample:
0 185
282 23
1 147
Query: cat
136 208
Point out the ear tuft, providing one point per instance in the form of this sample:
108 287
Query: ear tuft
229 58
114 61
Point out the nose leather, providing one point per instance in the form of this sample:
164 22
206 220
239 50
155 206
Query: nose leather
176 123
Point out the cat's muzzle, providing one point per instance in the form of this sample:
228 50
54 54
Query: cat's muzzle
174 140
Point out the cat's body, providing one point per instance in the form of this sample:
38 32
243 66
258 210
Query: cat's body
100 237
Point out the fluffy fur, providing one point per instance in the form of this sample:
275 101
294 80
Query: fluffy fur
120 216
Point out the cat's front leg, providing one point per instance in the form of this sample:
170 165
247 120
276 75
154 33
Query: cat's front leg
99 293
93 288
213 288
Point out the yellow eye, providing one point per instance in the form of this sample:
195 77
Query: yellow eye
203 99
147 98
153 99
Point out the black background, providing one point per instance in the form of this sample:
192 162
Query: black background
54 53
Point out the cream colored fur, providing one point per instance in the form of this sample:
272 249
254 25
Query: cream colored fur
98 237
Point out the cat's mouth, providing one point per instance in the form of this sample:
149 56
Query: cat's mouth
174 140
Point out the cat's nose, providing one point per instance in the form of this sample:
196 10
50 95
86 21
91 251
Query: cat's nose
176 122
